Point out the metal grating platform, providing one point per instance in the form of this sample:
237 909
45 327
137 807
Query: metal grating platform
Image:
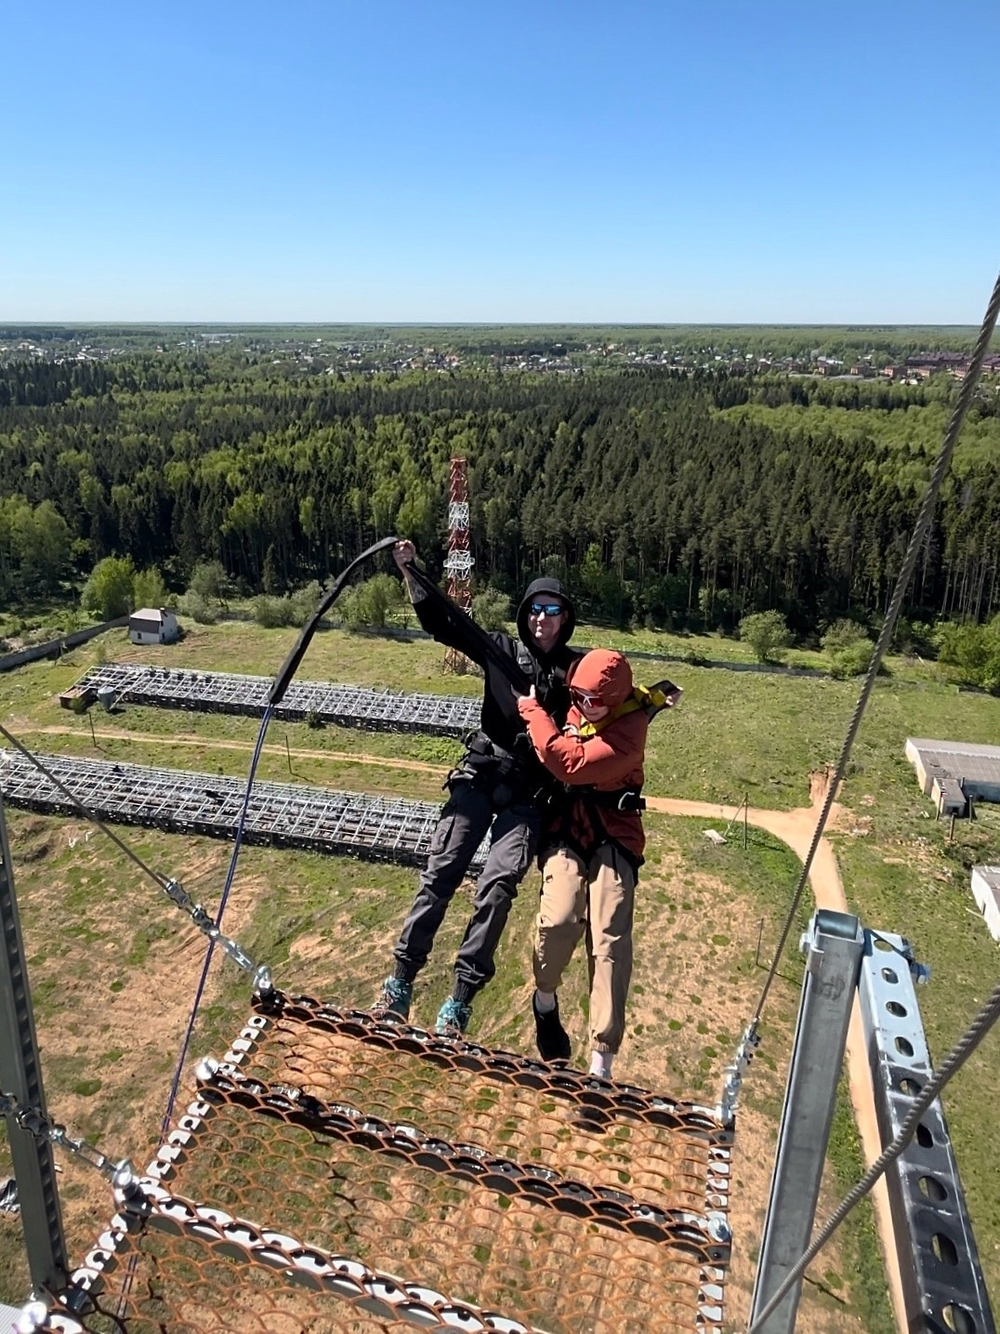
279 814
224 692
360 1150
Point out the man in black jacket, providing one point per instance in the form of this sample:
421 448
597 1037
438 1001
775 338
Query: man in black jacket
499 787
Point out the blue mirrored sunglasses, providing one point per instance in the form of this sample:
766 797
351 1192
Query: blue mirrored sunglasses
550 608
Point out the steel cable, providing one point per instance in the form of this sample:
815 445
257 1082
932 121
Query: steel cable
158 879
285 674
282 680
889 623
230 875
988 1015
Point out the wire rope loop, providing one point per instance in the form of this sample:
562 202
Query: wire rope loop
281 683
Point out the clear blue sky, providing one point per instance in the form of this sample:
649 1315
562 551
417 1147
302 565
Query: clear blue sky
470 160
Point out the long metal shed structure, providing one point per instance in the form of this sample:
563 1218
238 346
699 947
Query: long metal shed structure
278 814
228 692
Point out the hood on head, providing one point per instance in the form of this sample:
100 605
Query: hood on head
538 591
602 672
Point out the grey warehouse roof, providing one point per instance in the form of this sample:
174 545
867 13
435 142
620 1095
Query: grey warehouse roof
962 759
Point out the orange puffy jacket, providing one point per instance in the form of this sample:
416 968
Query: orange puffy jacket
605 757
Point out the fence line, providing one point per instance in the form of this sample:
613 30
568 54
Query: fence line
55 648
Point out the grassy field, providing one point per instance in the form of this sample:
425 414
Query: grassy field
98 937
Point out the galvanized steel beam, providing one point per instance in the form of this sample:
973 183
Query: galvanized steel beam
227 692
942 1280
833 947
21 1079
279 814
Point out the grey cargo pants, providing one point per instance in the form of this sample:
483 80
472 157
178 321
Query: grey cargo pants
465 820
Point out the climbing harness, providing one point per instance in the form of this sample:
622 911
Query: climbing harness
395 1135
627 799
651 700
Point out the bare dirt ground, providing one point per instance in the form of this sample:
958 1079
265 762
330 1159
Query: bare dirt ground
797 829
192 740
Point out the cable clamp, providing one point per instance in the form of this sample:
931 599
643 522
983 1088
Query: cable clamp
733 1081
177 894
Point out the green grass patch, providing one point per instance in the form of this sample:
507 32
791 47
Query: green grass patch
86 1088
861 1250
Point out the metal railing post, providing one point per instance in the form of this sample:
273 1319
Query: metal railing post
21 1078
833 947
940 1271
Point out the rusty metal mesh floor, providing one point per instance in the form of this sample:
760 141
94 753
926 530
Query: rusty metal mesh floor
337 1173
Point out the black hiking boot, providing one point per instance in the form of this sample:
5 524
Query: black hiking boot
551 1038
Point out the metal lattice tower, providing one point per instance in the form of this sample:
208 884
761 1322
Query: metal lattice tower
459 562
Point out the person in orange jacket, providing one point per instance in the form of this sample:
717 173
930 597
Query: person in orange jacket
591 851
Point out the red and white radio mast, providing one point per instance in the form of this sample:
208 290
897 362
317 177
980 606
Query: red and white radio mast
458 563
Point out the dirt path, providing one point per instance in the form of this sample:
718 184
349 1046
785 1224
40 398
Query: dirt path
796 828
192 740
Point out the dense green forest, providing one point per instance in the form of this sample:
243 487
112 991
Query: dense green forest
674 498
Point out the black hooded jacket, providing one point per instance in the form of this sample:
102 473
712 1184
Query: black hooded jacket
501 721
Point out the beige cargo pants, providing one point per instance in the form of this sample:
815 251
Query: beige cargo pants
596 899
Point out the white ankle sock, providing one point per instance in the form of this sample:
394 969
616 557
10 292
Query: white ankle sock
600 1063
545 1001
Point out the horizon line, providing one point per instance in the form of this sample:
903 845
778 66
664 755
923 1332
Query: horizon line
481 324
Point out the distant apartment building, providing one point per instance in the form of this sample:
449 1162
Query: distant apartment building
937 361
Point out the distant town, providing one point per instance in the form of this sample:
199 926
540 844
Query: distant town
511 349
